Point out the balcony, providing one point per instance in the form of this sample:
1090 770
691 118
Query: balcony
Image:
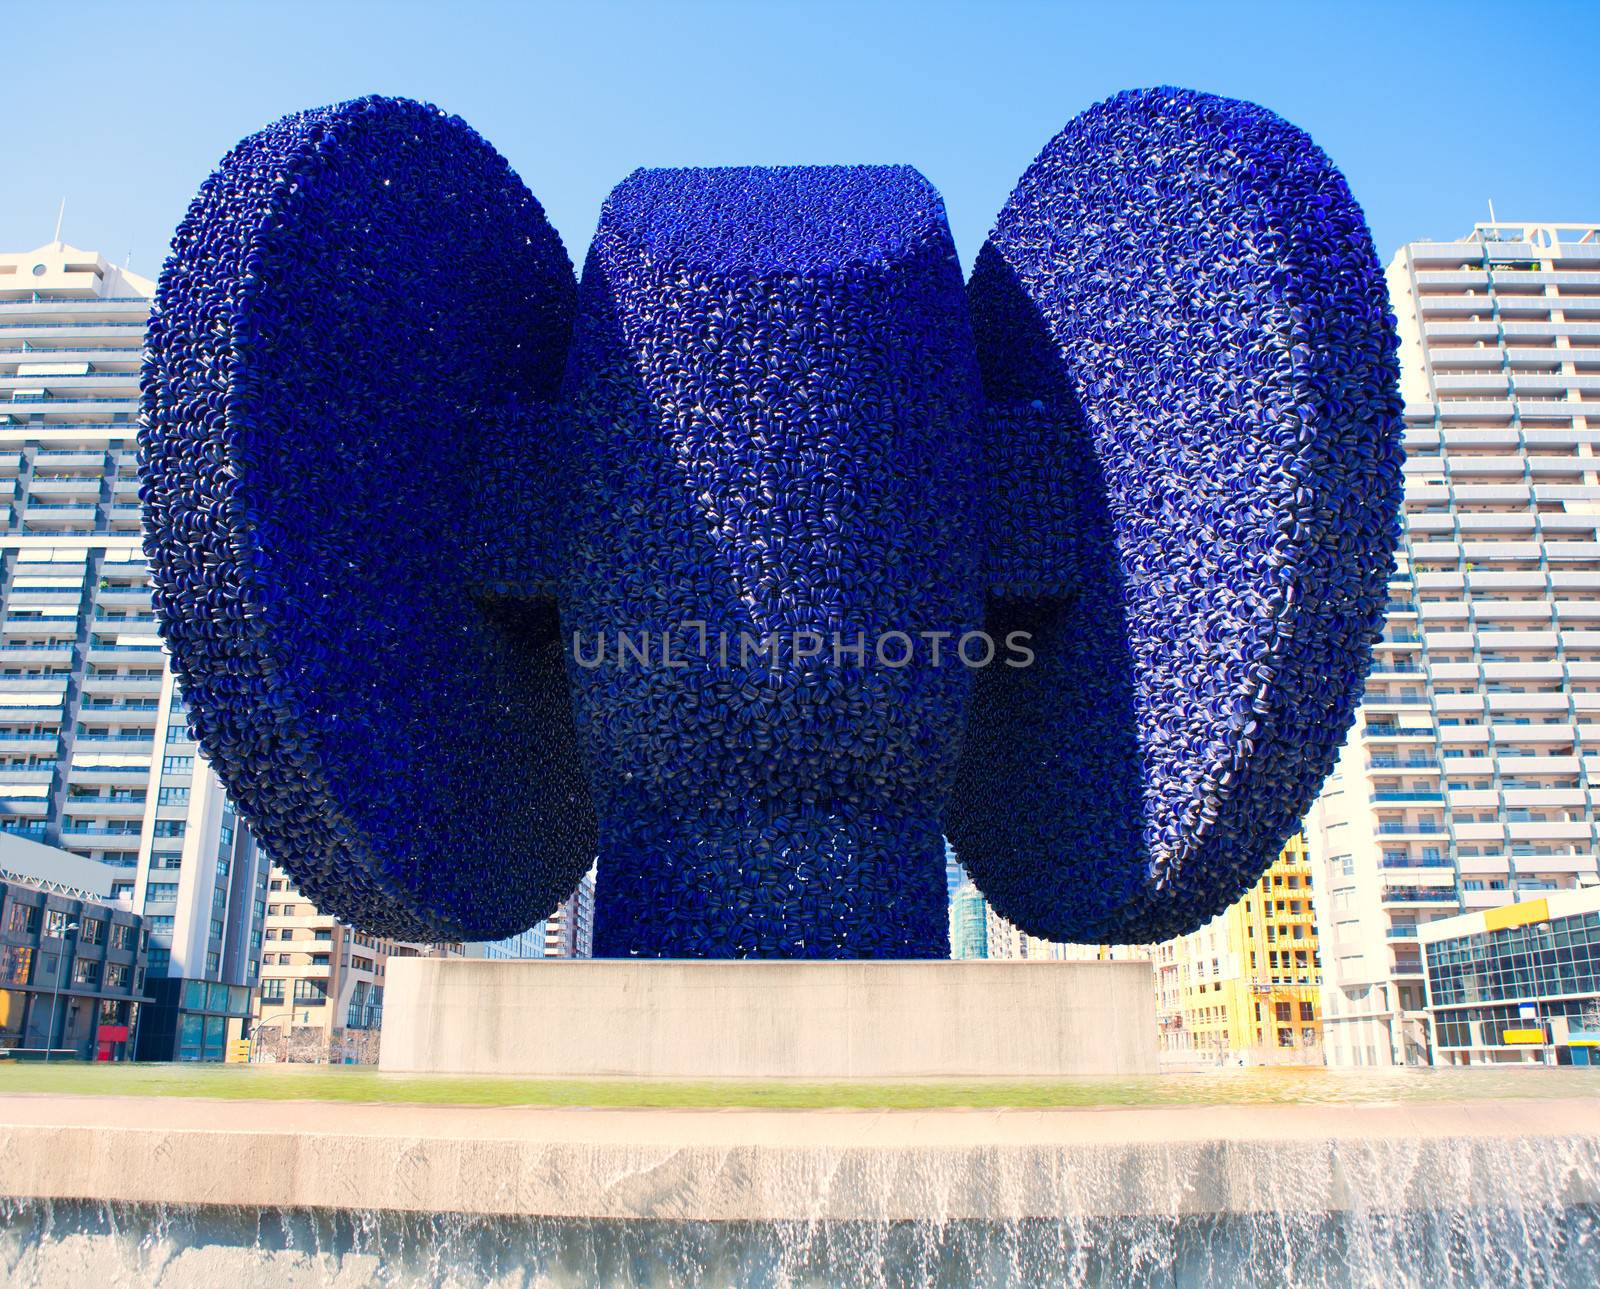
125 618
117 597
61 631
27 742
1381 730
146 739
104 774
124 653
127 834
1549 830
69 486
1418 895
1437 797
31 774
1415 877
111 683
72 458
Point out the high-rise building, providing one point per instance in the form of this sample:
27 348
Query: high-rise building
566 933
94 754
321 995
1244 988
1469 779
569 931
969 922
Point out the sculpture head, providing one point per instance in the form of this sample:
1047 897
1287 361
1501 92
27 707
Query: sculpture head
471 573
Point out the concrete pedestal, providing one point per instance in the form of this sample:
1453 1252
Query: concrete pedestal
737 1020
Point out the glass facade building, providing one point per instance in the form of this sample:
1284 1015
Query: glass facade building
1517 984
969 922
72 974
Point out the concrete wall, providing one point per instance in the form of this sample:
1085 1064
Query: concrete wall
748 1019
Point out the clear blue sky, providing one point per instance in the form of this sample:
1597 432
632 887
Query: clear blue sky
1429 109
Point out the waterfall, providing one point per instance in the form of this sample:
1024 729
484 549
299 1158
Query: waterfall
1349 1214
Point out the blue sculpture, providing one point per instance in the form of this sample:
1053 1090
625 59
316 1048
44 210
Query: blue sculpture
772 553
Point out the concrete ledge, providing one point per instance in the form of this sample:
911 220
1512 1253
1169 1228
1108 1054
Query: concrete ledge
726 1020
802 1165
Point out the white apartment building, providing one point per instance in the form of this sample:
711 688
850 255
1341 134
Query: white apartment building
1470 779
94 755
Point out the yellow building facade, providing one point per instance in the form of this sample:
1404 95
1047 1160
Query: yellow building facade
1244 989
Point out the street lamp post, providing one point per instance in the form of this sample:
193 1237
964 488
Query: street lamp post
69 929
261 1024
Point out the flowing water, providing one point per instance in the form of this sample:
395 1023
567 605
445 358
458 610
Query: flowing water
1378 1214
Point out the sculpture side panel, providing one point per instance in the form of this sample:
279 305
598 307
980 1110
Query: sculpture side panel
774 381
1194 435
364 312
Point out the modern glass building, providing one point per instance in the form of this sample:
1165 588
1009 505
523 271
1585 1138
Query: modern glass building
1470 780
969 922
94 754
1517 984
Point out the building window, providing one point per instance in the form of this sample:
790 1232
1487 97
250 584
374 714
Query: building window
16 964
272 991
116 975
121 933
86 971
90 934
24 919
310 991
